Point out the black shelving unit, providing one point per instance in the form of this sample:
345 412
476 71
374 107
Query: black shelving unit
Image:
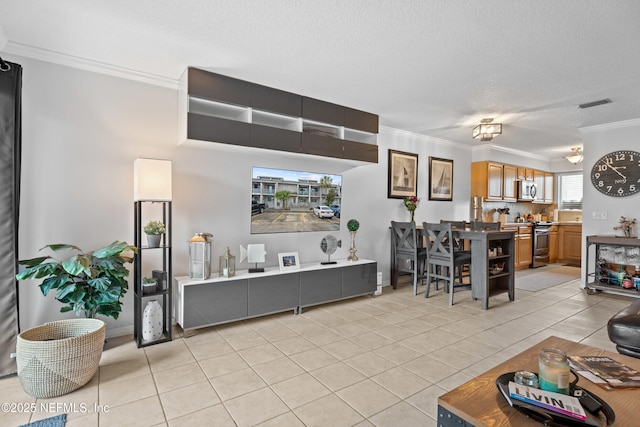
160 269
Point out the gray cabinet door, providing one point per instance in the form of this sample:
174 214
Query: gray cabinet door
320 286
214 129
276 101
207 85
274 293
359 279
211 303
360 120
321 145
322 111
360 151
275 139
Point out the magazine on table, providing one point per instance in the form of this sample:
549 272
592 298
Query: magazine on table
557 402
605 372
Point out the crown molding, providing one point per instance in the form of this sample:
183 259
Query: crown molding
87 64
609 126
429 139
491 147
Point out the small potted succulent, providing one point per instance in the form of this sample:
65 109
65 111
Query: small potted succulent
149 285
154 231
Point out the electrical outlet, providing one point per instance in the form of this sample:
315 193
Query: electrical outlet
379 277
599 215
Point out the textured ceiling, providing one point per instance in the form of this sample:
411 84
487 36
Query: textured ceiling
433 67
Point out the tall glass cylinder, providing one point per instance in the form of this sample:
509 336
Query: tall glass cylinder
200 256
553 371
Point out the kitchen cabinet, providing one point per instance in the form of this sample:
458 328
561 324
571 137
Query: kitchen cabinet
522 245
525 174
538 179
224 110
487 181
553 244
549 182
570 244
509 176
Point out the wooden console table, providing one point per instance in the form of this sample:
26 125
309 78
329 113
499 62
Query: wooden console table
479 403
217 300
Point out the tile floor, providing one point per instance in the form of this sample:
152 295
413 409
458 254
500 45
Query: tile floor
379 361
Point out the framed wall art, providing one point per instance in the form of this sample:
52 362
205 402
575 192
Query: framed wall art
440 179
403 175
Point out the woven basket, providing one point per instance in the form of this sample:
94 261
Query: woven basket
59 357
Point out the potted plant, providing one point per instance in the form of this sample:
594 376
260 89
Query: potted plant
154 231
149 285
87 283
353 225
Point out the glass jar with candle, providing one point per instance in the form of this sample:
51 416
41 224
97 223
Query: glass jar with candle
553 373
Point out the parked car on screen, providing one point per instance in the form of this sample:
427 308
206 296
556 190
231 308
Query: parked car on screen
336 210
323 212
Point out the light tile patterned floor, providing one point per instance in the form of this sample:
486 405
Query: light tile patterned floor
379 361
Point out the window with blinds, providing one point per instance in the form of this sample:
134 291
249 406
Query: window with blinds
570 192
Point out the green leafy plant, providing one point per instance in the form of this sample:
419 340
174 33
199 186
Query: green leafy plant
353 225
147 280
283 196
155 227
87 283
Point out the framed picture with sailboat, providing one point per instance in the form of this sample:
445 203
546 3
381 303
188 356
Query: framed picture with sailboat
440 179
403 175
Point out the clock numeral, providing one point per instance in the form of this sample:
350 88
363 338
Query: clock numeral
620 156
609 187
632 188
603 167
597 175
608 161
620 190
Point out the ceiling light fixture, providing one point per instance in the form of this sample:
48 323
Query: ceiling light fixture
595 103
487 130
575 157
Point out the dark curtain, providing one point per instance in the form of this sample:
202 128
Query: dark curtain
10 144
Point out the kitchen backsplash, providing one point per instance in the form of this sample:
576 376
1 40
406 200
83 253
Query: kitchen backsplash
490 211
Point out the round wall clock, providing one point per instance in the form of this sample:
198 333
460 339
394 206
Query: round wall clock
617 174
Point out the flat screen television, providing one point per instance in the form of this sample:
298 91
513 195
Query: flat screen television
286 201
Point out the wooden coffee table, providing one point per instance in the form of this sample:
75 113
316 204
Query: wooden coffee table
479 403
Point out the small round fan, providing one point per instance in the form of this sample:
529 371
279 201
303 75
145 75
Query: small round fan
329 244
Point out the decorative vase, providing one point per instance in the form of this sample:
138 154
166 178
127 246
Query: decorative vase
152 321
352 249
153 240
413 212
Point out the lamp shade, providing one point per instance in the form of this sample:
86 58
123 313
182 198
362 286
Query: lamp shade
151 179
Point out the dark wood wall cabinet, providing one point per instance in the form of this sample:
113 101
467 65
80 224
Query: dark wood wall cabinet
222 109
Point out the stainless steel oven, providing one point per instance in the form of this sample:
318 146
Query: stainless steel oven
540 244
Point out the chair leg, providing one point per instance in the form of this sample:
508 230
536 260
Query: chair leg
451 283
426 292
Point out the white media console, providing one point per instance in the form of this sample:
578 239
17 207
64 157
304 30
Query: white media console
220 300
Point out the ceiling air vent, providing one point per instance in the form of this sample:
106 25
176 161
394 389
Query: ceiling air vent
595 103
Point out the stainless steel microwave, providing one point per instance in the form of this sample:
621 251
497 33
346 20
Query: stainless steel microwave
527 190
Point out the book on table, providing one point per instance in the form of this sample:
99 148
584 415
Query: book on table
605 372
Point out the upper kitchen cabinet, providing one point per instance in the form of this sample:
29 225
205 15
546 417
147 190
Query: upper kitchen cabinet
525 174
488 180
544 186
225 110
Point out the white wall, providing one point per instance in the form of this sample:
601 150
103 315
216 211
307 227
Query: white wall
599 141
83 130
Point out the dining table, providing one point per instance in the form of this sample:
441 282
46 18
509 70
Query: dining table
492 261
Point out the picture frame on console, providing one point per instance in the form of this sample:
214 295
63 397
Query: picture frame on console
288 261
440 179
403 175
